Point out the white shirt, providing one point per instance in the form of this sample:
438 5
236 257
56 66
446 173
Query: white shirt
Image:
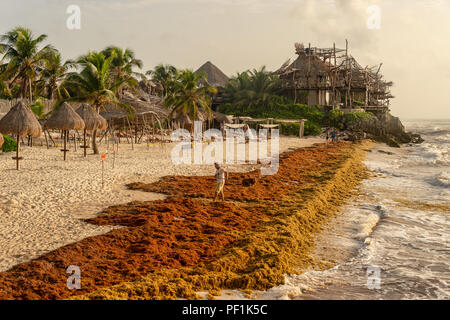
220 175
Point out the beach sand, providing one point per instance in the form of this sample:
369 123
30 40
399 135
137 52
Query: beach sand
42 205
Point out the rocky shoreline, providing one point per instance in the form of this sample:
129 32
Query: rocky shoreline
381 128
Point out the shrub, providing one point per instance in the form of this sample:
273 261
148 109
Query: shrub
292 129
342 120
312 129
289 129
336 117
358 103
38 108
352 117
282 108
9 144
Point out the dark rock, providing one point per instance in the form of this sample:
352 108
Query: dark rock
392 142
248 182
384 128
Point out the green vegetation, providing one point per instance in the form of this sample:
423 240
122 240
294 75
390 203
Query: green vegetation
342 120
187 96
164 76
358 103
25 57
353 117
253 91
292 129
122 65
9 144
256 94
52 75
38 108
280 108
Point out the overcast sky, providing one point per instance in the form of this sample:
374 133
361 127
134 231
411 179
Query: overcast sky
236 35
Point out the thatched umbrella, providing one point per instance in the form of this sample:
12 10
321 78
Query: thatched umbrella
220 117
104 123
65 118
92 121
20 120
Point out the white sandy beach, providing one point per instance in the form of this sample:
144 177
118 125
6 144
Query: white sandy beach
42 204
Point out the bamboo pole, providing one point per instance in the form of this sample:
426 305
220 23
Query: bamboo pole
84 143
335 74
17 151
46 140
65 142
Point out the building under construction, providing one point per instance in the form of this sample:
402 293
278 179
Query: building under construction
332 77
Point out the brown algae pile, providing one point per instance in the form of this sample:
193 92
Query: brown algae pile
310 186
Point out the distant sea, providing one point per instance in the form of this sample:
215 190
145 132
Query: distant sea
394 238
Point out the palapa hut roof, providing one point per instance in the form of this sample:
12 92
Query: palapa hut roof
65 118
92 120
221 117
140 108
103 124
306 63
214 75
20 120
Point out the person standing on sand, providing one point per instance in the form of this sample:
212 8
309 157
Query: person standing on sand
333 135
221 176
246 133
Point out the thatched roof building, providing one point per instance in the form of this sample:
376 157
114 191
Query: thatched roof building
215 76
20 120
332 77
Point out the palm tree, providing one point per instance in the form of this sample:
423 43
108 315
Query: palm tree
25 58
38 108
189 96
123 63
252 89
163 76
53 74
93 85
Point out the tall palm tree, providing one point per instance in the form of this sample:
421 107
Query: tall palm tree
53 73
164 76
189 96
24 58
123 63
93 85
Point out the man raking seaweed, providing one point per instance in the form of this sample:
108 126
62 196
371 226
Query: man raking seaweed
221 177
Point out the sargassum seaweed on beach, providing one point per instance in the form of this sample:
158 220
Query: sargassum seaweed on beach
176 247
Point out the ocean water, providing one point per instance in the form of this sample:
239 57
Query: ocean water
393 240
